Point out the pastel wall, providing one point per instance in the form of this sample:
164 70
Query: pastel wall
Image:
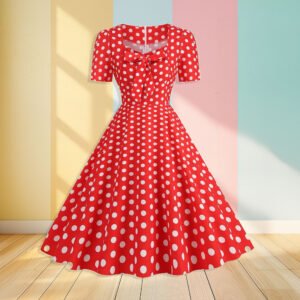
242 115
209 108
25 110
81 109
269 110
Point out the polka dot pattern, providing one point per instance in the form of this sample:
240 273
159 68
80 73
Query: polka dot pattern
145 202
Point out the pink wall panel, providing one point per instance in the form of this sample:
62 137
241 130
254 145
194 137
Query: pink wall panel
208 108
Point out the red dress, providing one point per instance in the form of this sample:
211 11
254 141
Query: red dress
145 202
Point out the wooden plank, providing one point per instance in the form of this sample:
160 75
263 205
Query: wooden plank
129 288
91 285
8 240
18 274
62 284
294 238
274 279
277 248
296 272
42 282
261 258
165 287
231 281
3 237
282 294
199 285
289 247
12 250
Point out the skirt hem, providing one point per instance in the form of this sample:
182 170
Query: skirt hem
193 268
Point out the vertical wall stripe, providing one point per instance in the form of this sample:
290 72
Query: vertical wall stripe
269 93
208 108
80 108
25 110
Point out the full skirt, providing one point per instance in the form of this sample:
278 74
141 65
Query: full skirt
145 203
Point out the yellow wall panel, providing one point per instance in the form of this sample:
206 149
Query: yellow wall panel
81 109
51 114
25 110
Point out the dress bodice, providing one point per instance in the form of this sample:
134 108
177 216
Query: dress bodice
145 60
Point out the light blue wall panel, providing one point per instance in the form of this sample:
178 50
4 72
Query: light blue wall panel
269 109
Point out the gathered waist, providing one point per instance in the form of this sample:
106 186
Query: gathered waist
144 103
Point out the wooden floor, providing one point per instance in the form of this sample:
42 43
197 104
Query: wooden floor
270 271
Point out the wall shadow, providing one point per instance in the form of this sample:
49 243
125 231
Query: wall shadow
81 108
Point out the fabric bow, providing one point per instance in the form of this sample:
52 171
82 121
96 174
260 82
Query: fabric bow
143 81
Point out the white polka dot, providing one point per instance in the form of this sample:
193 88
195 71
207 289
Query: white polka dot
174 247
194 259
86 258
211 237
175 233
47 248
223 227
221 239
122 259
166 257
143 269
103 262
211 251
232 250
143 225
238 227
238 239
56 238
64 249
143 253
175 263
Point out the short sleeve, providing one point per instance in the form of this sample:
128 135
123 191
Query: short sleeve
101 68
188 63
